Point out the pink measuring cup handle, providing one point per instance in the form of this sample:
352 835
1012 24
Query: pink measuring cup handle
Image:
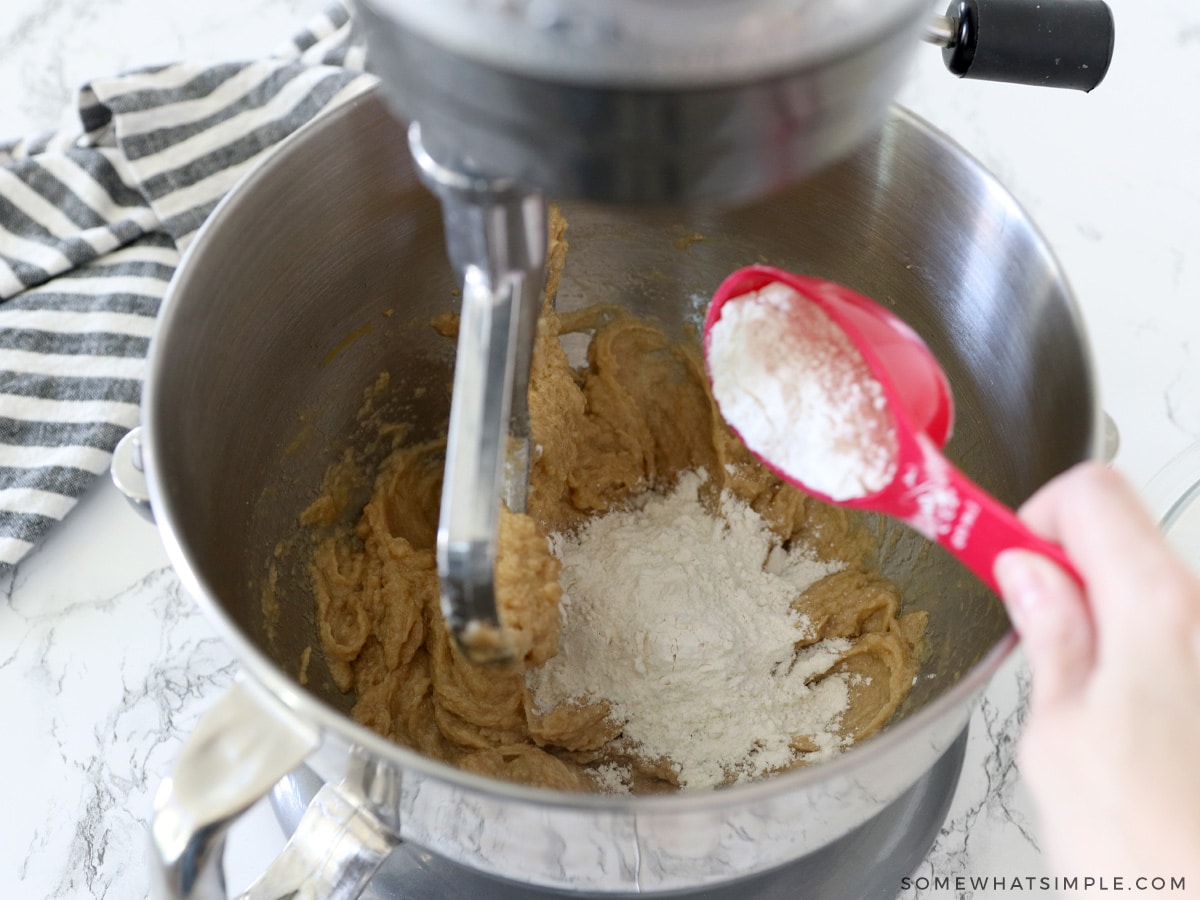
984 528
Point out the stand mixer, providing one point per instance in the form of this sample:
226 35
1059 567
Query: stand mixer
639 102
339 222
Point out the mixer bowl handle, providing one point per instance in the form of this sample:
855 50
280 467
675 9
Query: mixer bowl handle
240 749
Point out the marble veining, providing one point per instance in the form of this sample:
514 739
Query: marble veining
100 728
990 809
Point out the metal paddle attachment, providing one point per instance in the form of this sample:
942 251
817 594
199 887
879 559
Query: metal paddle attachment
496 238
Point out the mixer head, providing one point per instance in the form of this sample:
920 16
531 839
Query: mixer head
667 101
637 101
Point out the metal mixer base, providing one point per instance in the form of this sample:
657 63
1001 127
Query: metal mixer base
867 863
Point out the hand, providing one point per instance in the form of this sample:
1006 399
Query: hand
1111 750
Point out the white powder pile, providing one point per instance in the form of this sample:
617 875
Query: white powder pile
800 394
682 621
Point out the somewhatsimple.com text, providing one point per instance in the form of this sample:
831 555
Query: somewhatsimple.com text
1063 884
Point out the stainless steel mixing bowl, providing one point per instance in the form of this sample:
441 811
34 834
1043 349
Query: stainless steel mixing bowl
324 269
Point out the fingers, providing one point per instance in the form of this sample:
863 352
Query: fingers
1089 506
1108 534
1051 615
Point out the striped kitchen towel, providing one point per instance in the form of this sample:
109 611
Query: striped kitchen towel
92 223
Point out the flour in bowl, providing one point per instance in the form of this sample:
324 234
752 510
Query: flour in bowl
682 621
800 395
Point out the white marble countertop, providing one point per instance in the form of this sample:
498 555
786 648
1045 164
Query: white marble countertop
105 665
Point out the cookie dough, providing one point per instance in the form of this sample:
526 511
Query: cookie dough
632 420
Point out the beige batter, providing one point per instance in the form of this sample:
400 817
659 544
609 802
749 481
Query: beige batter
637 416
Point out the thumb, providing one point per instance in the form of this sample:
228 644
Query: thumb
1050 612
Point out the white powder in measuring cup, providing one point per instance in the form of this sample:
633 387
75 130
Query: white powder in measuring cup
800 395
683 622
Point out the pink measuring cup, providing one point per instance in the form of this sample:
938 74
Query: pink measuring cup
928 492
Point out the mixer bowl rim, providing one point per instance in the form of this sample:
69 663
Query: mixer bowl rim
267 672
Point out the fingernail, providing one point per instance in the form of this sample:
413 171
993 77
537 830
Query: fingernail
1021 581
